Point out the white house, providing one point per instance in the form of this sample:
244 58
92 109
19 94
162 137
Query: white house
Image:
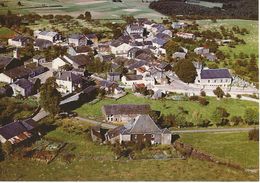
201 50
68 82
129 80
213 77
77 40
120 48
22 87
59 62
134 29
19 41
48 35
185 35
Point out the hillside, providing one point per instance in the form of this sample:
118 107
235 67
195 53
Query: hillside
240 9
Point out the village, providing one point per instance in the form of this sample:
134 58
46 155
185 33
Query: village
147 62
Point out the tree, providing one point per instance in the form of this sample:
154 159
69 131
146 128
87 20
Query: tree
219 116
19 3
219 92
7 149
2 157
203 93
50 97
88 16
186 71
251 116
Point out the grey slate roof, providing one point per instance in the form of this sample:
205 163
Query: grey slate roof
24 83
17 127
126 109
144 125
215 73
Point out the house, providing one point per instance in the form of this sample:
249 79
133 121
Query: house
134 29
120 48
179 25
124 112
104 48
142 130
19 41
7 63
40 44
22 87
68 82
163 66
110 87
39 59
214 77
201 50
156 28
24 71
113 76
138 87
92 39
185 35
129 80
84 50
179 55
18 131
77 40
77 61
132 52
167 32
48 35
210 56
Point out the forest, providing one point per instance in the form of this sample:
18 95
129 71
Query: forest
237 9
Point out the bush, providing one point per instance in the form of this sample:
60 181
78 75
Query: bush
203 93
236 120
251 116
204 123
222 122
219 92
239 96
194 98
203 101
253 135
228 95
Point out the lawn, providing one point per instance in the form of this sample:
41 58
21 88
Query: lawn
233 106
251 39
230 146
96 162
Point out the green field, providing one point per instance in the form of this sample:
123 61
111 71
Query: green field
104 9
96 162
251 39
233 106
234 147
6 33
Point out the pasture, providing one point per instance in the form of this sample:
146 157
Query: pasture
251 39
100 9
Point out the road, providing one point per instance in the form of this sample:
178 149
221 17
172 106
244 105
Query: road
104 125
213 130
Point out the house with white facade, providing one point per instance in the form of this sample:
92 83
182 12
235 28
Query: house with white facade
68 82
120 48
214 77
19 41
48 35
77 40
185 35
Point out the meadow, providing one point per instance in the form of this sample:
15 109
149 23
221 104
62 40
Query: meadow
251 39
96 162
100 9
233 106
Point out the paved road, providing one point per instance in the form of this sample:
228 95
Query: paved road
104 125
213 130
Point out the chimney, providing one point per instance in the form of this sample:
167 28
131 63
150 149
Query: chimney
16 54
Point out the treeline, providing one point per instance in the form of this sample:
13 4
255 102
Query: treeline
241 9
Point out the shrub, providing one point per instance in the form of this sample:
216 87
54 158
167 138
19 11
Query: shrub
239 96
194 98
251 116
236 120
204 123
227 95
253 135
219 92
203 101
203 93
222 122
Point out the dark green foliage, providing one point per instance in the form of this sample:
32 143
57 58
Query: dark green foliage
98 67
251 116
7 149
88 16
219 92
186 71
219 116
203 93
253 135
203 101
204 123
227 95
236 120
50 97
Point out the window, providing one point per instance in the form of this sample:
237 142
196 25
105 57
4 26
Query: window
208 81
215 81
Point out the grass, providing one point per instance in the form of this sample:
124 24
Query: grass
104 9
96 162
230 146
233 106
6 33
251 39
